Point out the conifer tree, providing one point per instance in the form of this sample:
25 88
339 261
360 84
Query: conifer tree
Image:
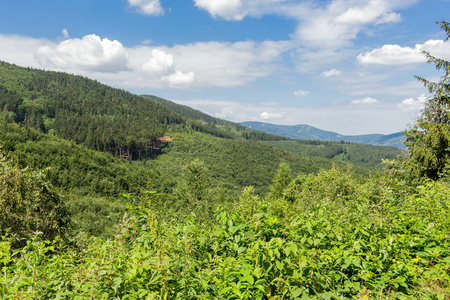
282 179
194 190
429 139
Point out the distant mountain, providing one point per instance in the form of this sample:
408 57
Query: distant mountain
306 132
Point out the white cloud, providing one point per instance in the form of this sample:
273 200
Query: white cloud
330 73
147 7
20 50
65 33
301 93
158 69
339 22
179 78
160 63
89 53
221 64
270 116
413 105
375 11
330 25
438 48
391 55
367 100
227 9
389 18
207 64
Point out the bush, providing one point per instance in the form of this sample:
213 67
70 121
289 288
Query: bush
28 204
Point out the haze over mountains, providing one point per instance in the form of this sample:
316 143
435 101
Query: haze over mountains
306 132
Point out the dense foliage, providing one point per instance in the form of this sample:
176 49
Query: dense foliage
88 181
235 164
330 237
367 156
28 205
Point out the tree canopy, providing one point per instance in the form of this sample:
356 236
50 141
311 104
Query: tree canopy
429 138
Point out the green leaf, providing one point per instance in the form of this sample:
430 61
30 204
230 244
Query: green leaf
297 292
249 279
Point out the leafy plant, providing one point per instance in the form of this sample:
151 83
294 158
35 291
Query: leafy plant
28 204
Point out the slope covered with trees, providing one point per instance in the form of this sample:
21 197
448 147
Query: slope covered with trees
329 234
62 123
364 156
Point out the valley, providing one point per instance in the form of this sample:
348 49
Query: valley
107 194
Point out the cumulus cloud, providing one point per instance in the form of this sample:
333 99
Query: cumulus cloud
222 64
20 50
226 9
325 29
89 53
301 93
392 55
147 7
179 78
330 73
374 11
269 116
161 67
339 22
411 104
367 100
160 63
330 25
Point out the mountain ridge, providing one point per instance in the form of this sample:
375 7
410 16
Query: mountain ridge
307 132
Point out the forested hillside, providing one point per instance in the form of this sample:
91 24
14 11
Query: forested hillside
83 110
368 156
82 133
189 211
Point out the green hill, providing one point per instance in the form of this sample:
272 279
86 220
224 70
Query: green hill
97 143
362 155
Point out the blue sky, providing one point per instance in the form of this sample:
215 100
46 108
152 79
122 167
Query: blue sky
340 65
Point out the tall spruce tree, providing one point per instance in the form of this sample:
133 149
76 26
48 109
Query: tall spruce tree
429 138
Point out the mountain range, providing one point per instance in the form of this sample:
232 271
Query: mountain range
306 132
